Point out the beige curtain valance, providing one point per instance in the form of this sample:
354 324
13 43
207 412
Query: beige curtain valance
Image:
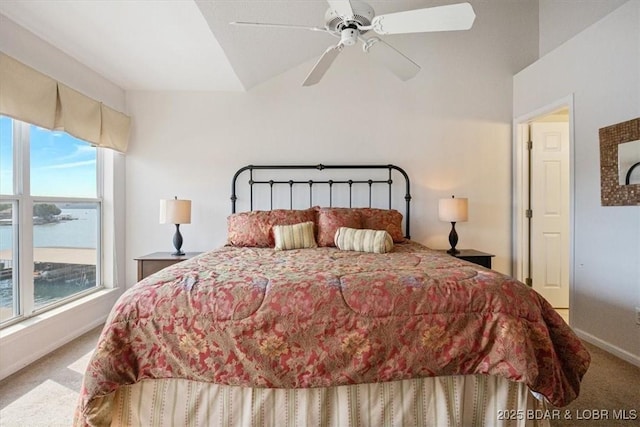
30 96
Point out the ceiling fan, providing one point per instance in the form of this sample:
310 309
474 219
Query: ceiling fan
351 19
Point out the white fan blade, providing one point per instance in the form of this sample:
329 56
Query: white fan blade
269 25
342 8
322 65
441 18
390 57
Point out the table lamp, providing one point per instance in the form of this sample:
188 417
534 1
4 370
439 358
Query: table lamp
174 211
453 210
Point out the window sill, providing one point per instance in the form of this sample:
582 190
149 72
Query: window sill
44 316
32 338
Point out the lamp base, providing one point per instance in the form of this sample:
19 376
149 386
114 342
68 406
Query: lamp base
177 242
453 240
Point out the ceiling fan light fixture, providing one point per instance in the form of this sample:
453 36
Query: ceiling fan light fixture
349 36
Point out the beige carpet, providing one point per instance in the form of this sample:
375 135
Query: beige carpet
610 392
45 393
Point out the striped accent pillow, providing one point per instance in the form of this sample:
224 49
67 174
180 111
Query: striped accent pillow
363 240
295 236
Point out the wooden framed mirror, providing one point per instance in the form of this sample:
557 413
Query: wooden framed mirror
615 159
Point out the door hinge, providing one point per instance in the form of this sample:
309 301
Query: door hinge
528 213
528 281
529 145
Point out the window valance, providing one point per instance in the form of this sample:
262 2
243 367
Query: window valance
33 97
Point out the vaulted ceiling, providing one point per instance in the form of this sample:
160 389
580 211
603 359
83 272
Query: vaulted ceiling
188 44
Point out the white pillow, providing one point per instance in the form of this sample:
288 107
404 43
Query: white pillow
296 236
363 240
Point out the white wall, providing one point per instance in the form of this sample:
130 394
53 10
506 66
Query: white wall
601 68
561 19
450 128
26 342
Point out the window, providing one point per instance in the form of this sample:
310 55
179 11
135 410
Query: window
50 219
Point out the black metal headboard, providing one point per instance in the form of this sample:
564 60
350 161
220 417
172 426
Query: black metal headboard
310 183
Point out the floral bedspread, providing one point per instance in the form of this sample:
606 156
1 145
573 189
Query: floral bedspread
321 317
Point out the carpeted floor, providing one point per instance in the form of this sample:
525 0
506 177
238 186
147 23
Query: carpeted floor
610 393
45 393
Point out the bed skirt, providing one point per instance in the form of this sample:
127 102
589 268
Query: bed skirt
473 400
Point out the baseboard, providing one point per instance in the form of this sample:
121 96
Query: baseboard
609 348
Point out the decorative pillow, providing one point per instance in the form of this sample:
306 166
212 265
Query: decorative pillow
254 228
295 236
363 240
330 219
249 229
290 216
383 219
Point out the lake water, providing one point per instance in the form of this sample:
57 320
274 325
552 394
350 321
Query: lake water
80 232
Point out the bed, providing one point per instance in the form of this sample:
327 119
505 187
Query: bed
329 316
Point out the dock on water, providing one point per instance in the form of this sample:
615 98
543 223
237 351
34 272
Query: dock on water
43 257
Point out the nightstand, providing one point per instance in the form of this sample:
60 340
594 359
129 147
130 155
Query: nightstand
476 257
152 263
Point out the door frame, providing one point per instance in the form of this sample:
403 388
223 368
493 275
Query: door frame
520 186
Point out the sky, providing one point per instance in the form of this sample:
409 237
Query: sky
61 165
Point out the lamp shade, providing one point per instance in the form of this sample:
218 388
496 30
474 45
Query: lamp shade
174 211
453 210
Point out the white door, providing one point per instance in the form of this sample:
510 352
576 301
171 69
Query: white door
550 197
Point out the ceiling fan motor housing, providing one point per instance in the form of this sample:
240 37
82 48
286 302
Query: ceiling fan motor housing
362 16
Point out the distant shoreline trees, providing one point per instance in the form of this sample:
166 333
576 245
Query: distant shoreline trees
46 211
43 212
